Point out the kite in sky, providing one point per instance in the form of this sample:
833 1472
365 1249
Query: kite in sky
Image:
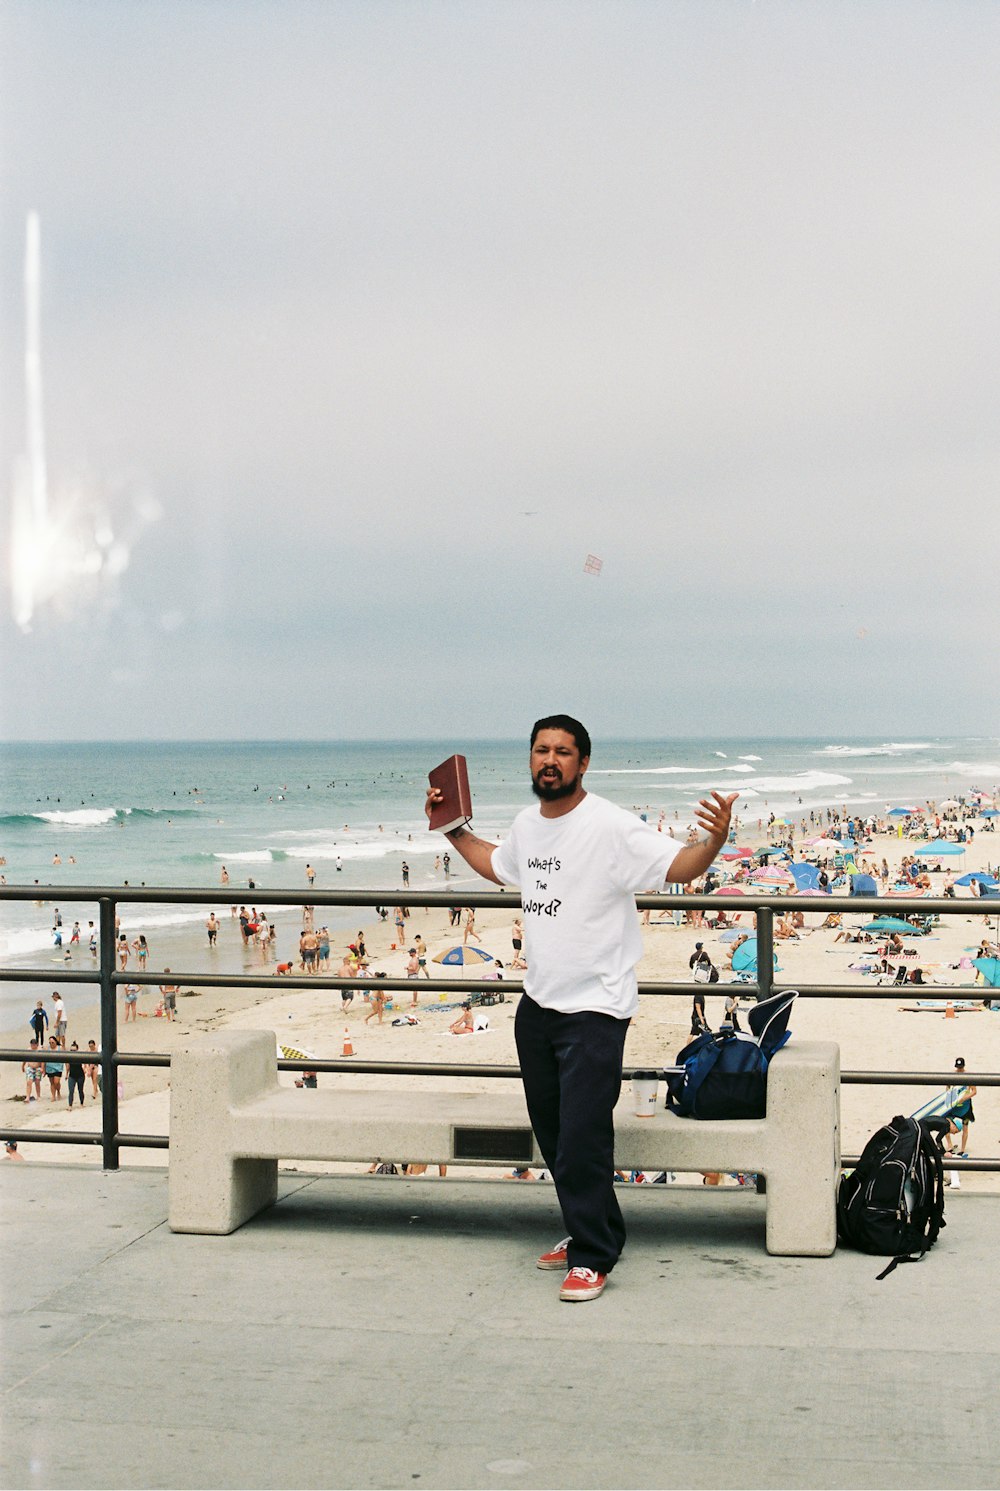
592 565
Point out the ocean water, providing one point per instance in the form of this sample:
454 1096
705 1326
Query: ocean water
172 814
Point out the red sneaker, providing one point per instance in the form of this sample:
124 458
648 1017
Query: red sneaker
582 1283
557 1258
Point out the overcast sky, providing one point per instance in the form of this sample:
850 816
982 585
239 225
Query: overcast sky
364 324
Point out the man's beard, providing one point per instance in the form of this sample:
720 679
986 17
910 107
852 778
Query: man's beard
553 791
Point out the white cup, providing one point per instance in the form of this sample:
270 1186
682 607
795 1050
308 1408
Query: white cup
644 1090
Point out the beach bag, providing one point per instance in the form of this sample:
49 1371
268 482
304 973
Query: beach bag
725 1072
893 1202
703 973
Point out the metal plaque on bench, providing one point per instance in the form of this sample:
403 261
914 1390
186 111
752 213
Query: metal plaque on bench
507 1144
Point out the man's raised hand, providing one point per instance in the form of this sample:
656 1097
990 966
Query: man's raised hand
715 816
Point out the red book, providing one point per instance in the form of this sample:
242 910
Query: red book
455 807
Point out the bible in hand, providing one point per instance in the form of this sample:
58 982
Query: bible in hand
455 805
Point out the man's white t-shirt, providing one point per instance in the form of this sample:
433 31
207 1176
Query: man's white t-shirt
578 875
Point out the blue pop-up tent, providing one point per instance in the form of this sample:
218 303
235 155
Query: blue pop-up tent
745 958
863 885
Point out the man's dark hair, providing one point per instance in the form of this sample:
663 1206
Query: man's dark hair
570 725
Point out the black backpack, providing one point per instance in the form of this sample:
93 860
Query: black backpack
894 1201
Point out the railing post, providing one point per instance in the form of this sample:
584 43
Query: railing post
109 1036
765 951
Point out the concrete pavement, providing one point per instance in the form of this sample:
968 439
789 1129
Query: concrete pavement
375 1332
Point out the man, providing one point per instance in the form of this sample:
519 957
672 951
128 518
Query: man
960 1115
169 993
703 960
579 860
212 927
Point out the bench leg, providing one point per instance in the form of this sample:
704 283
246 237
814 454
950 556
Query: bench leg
212 1190
803 1111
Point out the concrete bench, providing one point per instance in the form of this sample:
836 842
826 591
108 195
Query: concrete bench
231 1122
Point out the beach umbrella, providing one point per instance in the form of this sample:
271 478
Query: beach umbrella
949 802
893 924
904 812
772 876
772 851
728 890
731 935
991 813
990 969
732 853
458 956
806 877
979 875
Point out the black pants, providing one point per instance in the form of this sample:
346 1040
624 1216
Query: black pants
571 1066
76 1081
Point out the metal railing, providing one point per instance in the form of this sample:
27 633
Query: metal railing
107 977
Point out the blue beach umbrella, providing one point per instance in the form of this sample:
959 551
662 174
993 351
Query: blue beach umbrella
990 969
893 924
991 813
979 875
903 812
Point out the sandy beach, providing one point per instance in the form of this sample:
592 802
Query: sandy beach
873 1034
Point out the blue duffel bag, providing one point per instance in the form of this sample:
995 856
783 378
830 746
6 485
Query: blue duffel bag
725 1071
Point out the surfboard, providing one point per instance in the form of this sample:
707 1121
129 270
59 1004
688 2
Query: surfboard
934 1107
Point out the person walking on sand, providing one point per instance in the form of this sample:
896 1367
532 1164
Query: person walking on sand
59 1018
579 861
470 926
90 1070
169 993
378 1005
74 1075
413 971
54 1070
33 1071
421 948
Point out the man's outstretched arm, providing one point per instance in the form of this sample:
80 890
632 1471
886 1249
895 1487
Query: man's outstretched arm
476 852
694 859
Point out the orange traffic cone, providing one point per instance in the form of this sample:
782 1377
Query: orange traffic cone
949 1011
348 1048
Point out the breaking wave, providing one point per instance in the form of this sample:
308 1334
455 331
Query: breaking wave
892 748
